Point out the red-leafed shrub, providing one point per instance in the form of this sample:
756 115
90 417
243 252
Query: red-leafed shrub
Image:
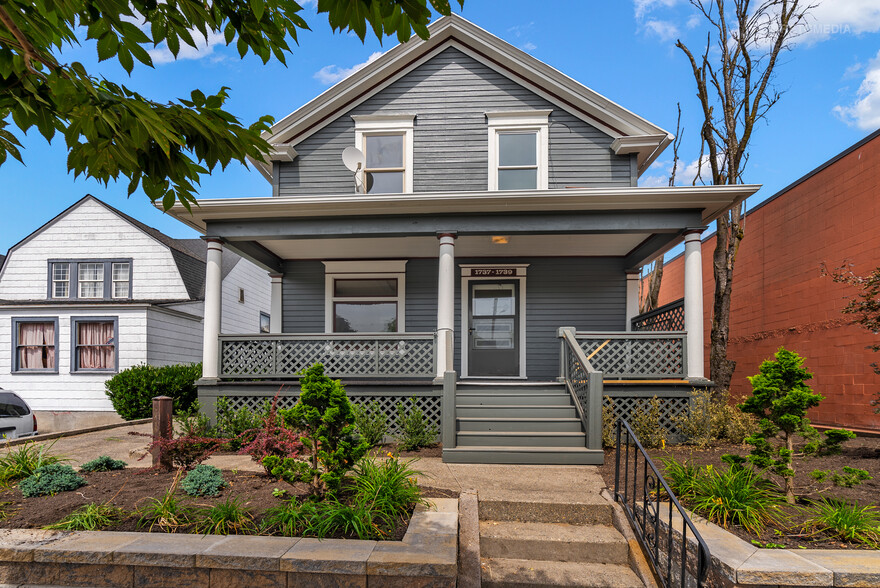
272 438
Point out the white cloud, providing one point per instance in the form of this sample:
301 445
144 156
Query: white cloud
643 7
330 74
865 111
654 181
841 17
693 21
518 30
529 46
664 29
204 47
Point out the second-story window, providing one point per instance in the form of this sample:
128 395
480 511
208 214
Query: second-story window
518 150
387 143
91 280
60 280
121 279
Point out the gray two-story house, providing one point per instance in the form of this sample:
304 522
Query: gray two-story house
461 223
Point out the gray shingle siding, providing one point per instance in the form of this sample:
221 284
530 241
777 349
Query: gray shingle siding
450 95
584 292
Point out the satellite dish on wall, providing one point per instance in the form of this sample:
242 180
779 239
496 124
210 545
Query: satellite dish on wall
353 158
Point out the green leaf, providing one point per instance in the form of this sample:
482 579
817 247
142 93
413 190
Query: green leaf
258 6
107 46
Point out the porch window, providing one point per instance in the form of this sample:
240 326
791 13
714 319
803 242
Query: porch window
94 345
35 341
361 301
387 143
518 150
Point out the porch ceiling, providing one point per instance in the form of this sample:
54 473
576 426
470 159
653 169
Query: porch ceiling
616 245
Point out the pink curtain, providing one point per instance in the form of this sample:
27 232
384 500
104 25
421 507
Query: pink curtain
96 349
36 343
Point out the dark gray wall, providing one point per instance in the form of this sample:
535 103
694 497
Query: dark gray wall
583 292
450 95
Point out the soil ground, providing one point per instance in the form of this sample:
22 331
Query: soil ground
862 453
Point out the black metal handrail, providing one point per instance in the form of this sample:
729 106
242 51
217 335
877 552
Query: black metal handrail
649 524
669 317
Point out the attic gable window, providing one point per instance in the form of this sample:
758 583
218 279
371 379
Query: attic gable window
90 279
387 143
518 150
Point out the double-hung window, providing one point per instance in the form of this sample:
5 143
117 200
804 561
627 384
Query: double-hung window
35 344
363 302
518 150
94 344
387 144
90 279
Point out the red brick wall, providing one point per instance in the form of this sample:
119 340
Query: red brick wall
780 297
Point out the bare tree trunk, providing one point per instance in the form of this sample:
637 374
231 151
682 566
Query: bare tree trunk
650 301
789 480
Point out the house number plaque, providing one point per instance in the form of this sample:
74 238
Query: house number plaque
493 272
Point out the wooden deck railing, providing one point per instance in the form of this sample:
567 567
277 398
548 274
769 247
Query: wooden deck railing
650 355
392 355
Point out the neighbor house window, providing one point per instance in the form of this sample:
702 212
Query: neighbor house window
60 280
265 322
90 279
35 341
362 302
94 344
387 143
518 150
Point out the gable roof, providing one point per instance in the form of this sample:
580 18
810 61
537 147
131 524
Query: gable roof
189 254
632 133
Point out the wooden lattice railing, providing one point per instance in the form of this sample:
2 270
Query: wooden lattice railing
636 355
585 386
398 355
669 317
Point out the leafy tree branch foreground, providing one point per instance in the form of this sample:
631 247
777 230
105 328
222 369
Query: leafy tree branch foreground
112 132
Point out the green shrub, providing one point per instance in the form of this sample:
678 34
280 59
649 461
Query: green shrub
389 484
238 426
847 521
324 415
646 423
847 479
415 431
290 519
737 495
203 480
51 479
103 463
681 477
712 418
227 518
191 422
609 423
830 445
23 461
371 423
91 517
132 390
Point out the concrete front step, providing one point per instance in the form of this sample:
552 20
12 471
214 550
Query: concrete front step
553 541
556 425
514 410
589 509
520 439
520 398
524 455
520 573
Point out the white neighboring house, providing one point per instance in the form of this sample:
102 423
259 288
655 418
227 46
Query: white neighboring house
94 291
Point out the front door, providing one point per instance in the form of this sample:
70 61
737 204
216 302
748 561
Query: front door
493 333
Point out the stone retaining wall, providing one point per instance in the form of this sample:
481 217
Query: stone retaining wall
425 558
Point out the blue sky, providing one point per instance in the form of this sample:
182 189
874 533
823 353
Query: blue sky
623 50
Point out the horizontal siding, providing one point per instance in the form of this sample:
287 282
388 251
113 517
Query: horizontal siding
450 95
172 338
90 231
65 391
586 293
244 317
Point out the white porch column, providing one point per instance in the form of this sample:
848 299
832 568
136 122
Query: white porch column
632 297
693 302
275 303
213 286
445 303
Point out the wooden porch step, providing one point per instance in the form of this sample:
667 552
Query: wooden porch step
519 424
515 410
504 397
519 439
525 455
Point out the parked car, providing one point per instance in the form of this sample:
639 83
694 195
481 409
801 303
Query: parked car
16 417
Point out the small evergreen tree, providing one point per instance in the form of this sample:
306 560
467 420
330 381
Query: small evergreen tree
780 399
326 418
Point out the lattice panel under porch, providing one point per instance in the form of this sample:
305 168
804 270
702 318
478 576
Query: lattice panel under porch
627 406
430 405
637 357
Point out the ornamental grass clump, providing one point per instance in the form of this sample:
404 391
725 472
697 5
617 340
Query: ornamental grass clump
203 480
91 517
103 463
845 521
24 461
227 518
51 479
325 417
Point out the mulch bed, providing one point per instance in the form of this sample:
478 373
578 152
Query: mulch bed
862 453
129 489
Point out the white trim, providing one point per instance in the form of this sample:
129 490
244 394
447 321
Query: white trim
524 121
466 279
387 124
365 270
